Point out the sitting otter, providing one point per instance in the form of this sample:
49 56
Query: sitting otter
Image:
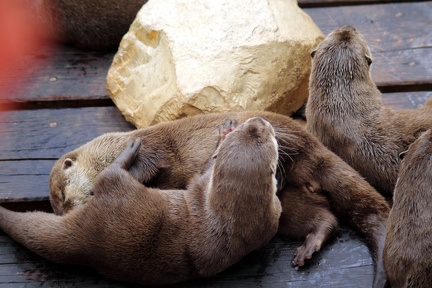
346 113
173 152
150 236
408 241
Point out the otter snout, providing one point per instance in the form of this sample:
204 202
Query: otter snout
345 35
257 126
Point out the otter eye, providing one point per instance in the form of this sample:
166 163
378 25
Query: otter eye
313 53
369 60
402 154
67 163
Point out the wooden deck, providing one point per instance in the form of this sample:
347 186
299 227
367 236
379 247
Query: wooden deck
62 103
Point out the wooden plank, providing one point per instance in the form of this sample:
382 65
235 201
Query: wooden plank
409 100
24 181
344 262
398 33
33 139
54 73
49 133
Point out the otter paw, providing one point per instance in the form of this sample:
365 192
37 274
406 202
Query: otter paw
313 187
311 244
228 127
128 155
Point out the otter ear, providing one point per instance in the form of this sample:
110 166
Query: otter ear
313 53
369 60
67 163
402 154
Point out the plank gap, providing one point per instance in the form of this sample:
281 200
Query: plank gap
338 3
55 104
406 88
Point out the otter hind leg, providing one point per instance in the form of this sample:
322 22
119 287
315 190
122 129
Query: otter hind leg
305 215
315 239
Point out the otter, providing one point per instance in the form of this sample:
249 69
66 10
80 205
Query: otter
408 238
96 25
345 110
133 233
173 152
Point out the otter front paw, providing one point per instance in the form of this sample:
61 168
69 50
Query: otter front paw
129 154
227 127
313 187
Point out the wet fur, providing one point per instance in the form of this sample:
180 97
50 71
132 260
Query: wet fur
408 242
173 152
133 233
346 113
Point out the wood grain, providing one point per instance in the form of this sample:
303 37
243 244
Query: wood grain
398 33
59 102
24 181
410 100
340 263
49 133
58 73
33 139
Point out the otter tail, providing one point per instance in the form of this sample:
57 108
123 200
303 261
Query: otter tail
354 200
42 233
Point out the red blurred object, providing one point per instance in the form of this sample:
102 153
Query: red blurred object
19 35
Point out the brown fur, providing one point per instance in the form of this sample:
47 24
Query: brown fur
172 152
137 234
96 25
346 113
408 242
306 216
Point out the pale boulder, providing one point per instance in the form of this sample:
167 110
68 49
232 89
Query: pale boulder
185 57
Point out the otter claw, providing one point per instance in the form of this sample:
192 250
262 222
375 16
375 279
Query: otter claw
311 245
228 127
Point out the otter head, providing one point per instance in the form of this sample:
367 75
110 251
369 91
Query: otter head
73 175
342 57
70 185
251 149
418 157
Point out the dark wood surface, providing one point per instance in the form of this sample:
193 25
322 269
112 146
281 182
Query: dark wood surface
60 102
344 262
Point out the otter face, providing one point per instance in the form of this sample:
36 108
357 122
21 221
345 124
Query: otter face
70 185
342 56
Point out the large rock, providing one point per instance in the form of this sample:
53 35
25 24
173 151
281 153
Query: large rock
184 57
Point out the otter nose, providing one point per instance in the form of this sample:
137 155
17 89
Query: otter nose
346 33
257 121
348 28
